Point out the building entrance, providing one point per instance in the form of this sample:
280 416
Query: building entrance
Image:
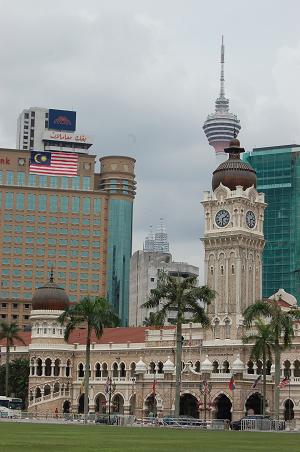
223 407
189 406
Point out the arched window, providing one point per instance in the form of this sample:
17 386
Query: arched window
287 368
197 366
56 367
39 367
122 370
80 371
217 329
227 329
115 370
56 388
160 368
38 393
47 390
250 369
232 269
259 367
48 364
222 270
104 370
268 367
226 369
68 368
98 370
215 366
297 368
211 270
152 368
32 366
132 369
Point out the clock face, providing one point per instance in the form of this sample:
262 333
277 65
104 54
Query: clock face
250 219
222 218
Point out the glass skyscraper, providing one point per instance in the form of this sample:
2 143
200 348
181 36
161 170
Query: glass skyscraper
278 176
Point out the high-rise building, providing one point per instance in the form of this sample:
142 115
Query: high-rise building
50 130
278 176
56 211
144 271
222 126
158 241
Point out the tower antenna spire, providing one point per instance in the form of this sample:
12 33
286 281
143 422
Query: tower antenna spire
222 79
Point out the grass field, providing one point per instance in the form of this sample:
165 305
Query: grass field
79 438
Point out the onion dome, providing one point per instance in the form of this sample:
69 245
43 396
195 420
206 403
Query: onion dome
50 297
206 365
234 171
140 367
238 365
169 366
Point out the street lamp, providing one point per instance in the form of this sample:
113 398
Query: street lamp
205 389
110 388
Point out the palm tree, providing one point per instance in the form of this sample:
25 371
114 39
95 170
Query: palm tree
96 314
154 319
183 296
281 323
9 332
262 348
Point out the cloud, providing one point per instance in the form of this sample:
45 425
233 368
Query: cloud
143 76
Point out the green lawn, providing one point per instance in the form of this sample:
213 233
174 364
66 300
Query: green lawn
79 438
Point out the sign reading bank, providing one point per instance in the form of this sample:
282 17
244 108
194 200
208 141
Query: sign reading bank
62 120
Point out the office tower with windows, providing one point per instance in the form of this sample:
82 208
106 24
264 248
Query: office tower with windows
278 176
56 211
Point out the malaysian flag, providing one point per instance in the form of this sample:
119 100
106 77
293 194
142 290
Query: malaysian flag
54 163
284 382
231 385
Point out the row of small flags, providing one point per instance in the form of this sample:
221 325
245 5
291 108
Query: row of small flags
281 385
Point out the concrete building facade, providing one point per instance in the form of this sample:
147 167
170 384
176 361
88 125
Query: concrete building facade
144 272
80 225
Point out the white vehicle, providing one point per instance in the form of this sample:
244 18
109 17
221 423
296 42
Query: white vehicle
10 407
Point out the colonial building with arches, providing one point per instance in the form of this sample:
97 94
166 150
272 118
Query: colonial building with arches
140 361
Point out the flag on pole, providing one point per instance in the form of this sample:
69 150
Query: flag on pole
256 382
54 163
231 385
284 382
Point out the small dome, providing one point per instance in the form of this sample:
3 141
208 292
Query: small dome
234 171
169 366
140 367
206 365
281 294
50 297
238 365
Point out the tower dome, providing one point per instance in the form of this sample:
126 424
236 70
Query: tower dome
50 297
234 171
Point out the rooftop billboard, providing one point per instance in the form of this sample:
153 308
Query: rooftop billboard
62 120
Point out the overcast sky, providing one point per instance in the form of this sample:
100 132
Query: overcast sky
143 75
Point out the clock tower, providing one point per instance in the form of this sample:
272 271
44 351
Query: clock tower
233 240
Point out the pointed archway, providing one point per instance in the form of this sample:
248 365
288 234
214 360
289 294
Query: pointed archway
289 410
151 405
223 407
254 404
100 404
189 406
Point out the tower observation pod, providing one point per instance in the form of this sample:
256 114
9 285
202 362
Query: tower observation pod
222 126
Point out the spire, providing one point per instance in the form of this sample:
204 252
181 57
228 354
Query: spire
222 104
222 80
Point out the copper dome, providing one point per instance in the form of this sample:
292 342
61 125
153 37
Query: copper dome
234 171
50 297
